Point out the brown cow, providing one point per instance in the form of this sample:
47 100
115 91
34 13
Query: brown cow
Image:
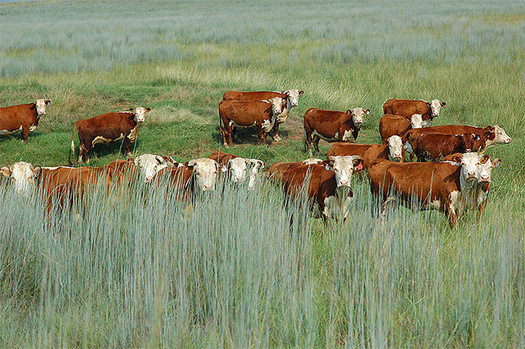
397 125
435 146
23 117
408 107
278 168
328 185
142 168
291 96
392 150
452 188
260 114
332 126
108 128
489 136
236 167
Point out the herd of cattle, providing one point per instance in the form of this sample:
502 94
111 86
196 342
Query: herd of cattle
452 174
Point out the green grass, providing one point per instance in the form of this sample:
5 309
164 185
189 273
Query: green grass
141 269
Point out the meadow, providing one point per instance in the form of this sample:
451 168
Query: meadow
144 270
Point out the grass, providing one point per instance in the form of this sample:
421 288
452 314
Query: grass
142 269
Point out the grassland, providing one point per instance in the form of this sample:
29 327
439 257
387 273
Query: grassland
145 270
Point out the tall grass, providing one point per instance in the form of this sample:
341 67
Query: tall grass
142 269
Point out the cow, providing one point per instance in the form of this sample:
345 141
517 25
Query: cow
291 96
108 128
408 107
390 125
23 117
449 187
327 185
393 150
332 126
237 167
142 169
278 168
24 175
435 146
488 136
259 114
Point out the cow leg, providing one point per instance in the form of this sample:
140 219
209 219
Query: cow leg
80 153
451 215
126 147
316 144
276 136
25 134
307 141
259 134
87 149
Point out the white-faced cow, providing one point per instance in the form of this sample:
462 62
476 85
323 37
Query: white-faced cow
392 150
259 114
408 107
238 168
23 117
23 175
108 128
291 97
450 187
332 126
328 185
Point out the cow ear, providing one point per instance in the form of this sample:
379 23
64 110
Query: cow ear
301 93
131 109
192 163
160 159
37 171
136 161
456 158
367 111
496 162
358 164
47 102
170 162
443 104
490 128
148 110
5 171
428 104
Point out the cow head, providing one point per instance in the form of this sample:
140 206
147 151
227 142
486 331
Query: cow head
435 107
139 113
278 104
395 148
236 168
256 165
204 172
468 141
344 167
149 165
294 94
416 121
40 105
473 168
485 168
357 115
501 136
24 176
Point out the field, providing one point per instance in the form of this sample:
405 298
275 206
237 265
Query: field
143 270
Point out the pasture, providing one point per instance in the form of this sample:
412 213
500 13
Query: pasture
145 270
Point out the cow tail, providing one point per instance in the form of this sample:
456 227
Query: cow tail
72 144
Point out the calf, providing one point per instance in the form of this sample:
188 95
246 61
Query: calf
108 128
390 125
332 126
451 188
328 186
23 117
260 114
392 150
435 146
236 167
485 137
291 96
408 107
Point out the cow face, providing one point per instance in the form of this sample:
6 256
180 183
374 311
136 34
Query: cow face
501 135
237 169
485 167
256 166
149 165
357 115
40 105
24 175
435 106
278 104
416 121
294 96
468 141
344 167
139 113
395 148
204 172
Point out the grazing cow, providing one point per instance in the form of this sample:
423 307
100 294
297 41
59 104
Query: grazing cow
23 117
291 96
328 186
408 107
108 128
24 175
488 136
332 126
435 146
260 114
278 168
452 188
392 150
390 125
236 167
145 167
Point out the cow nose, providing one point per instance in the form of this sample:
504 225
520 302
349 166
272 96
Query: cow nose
344 183
148 179
397 155
485 178
471 174
509 140
208 186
